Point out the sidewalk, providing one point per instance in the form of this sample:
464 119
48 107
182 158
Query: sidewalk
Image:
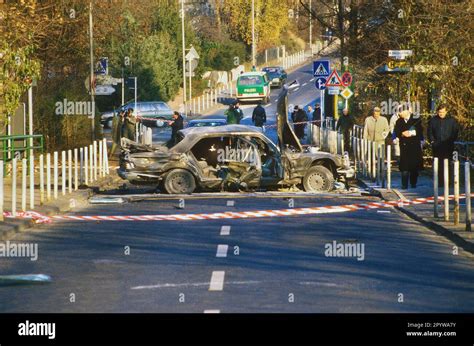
424 212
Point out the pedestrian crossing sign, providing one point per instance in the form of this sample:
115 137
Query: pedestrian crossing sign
334 80
321 68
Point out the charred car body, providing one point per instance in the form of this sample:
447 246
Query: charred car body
233 157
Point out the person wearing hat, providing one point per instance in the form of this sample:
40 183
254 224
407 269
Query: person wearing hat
376 127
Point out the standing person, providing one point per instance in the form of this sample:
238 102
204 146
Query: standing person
129 122
410 133
300 116
117 131
395 139
176 124
239 114
229 113
443 131
259 116
345 125
316 116
376 127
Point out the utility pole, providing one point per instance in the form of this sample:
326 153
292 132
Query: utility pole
310 25
184 56
253 34
92 88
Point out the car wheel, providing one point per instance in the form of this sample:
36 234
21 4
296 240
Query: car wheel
160 122
179 181
318 179
109 123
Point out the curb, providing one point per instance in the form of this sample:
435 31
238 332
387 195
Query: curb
438 229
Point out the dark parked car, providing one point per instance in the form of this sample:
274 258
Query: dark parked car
233 157
155 113
277 75
206 122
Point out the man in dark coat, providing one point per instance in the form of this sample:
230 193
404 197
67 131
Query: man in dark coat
299 115
259 116
345 125
443 131
410 133
317 114
176 124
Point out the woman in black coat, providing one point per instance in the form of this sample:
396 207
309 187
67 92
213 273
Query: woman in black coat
410 133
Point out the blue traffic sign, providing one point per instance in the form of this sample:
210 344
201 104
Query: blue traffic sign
320 83
321 68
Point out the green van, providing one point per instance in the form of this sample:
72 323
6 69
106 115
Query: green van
252 86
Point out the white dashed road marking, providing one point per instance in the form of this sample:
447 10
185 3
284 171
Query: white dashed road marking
222 250
212 311
312 79
217 281
230 203
304 84
225 230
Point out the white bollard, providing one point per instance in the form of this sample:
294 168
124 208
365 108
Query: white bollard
14 172
389 167
41 176
32 181
374 160
24 170
91 163
86 165
81 166
199 104
69 167
76 169
95 160
101 153
106 154
446 189
456 192
63 172
435 186
467 186
55 175
48 176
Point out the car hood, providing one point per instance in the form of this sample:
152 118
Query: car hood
286 135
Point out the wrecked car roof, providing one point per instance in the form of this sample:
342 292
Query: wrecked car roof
193 134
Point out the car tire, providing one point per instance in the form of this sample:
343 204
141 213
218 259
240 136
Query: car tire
179 181
109 122
318 179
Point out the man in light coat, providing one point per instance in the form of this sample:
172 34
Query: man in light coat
376 127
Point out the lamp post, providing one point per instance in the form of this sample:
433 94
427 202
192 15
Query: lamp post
184 56
92 88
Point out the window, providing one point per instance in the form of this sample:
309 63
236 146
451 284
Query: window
161 107
250 80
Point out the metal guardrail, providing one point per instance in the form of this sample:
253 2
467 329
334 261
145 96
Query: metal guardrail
15 146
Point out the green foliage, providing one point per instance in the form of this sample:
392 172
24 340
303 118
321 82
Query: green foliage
158 74
221 55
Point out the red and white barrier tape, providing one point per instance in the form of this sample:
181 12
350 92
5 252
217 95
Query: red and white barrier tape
39 218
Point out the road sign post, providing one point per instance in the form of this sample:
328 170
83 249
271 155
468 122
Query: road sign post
321 70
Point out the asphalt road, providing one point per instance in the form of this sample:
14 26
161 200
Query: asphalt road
281 265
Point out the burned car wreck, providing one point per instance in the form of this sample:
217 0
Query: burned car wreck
233 158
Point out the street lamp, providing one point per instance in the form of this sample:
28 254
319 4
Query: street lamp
184 56
92 88
253 33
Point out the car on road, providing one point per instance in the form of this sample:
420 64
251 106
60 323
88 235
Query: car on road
154 113
277 75
206 122
233 157
253 86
